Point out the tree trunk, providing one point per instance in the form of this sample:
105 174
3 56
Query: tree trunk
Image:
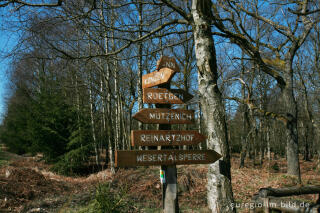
268 146
109 145
117 124
304 135
140 46
245 121
93 130
201 145
244 138
220 195
289 191
95 145
104 115
186 88
261 144
78 108
291 124
253 138
310 119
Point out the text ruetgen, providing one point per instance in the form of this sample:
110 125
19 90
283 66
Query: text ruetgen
164 96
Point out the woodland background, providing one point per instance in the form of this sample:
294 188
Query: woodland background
75 76
75 71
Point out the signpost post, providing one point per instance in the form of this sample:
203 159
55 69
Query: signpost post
167 157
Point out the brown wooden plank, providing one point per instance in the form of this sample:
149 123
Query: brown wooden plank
165 116
156 78
168 62
289 191
165 96
165 157
165 137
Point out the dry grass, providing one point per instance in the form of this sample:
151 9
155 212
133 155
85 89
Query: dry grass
31 181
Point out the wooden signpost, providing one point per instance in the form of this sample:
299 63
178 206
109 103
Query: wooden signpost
165 116
165 137
165 96
168 62
165 157
156 78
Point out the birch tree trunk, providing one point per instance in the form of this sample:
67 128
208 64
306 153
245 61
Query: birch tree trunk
109 146
103 91
95 145
110 133
91 100
104 136
220 195
201 146
140 46
78 92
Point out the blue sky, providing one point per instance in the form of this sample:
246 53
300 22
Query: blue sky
8 40
3 76
3 84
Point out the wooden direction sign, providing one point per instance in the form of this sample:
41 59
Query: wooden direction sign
168 62
165 116
165 96
165 137
165 157
156 78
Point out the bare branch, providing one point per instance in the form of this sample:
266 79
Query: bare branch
128 44
252 51
24 3
278 27
304 13
177 9
259 111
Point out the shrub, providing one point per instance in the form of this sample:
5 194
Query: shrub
107 200
275 167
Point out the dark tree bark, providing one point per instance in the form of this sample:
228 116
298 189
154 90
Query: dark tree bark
290 105
293 40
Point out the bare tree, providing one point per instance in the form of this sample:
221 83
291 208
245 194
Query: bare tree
294 34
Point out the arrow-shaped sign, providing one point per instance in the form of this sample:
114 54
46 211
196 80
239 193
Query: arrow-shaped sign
165 96
165 116
165 157
165 137
168 62
156 78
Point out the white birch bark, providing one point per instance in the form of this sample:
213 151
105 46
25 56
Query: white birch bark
95 145
108 97
199 124
220 195
140 46
117 113
94 137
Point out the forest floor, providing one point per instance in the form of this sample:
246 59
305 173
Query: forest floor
27 185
